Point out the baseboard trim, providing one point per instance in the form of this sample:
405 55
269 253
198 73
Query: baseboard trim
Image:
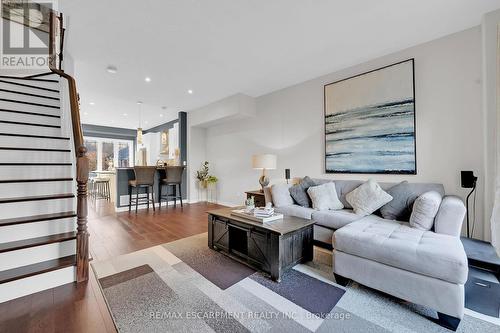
145 206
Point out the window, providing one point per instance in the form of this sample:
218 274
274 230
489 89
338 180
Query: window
92 154
123 154
107 154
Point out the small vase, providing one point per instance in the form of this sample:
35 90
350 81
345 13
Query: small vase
203 184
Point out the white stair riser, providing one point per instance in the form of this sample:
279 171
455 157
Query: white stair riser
32 255
28 90
17 232
29 118
41 84
33 130
19 141
29 108
30 208
34 284
26 98
35 171
18 156
17 190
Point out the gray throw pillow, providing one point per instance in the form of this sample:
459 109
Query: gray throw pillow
299 192
425 210
400 207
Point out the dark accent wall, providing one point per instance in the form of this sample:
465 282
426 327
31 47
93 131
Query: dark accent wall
183 148
109 132
162 127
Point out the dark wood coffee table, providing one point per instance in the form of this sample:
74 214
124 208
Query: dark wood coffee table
271 247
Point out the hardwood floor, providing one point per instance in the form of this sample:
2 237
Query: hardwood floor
81 307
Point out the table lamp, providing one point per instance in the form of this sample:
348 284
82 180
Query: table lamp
264 162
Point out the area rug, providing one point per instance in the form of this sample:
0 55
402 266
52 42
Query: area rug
184 286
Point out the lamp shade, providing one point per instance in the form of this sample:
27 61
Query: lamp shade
264 161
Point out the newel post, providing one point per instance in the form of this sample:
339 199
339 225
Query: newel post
82 236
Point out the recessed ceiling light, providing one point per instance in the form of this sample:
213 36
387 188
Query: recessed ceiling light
147 79
145 122
112 69
161 115
190 92
92 103
139 102
125 114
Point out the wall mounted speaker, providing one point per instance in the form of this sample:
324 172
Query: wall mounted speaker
468 179
287 174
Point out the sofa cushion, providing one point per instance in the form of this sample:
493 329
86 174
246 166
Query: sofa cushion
346 186
335 219
342 186
324 197
399 208
299 192
367 198
296 210
281 195
425 209
399 245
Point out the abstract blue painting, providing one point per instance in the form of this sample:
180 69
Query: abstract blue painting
370 122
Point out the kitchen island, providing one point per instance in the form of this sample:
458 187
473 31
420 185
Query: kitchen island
123 175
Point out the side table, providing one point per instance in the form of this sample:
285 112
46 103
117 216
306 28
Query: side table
482 290
259 197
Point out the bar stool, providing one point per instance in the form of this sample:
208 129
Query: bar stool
100 187
173 179
90 184
144 178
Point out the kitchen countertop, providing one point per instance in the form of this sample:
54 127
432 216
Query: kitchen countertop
160 168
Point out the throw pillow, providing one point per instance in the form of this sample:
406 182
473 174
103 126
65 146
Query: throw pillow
324 197
281 195
425 209
401 205
367 198
299 192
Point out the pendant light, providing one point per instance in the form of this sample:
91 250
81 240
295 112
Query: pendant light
139 129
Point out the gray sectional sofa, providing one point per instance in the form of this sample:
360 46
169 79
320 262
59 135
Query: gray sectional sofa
423 267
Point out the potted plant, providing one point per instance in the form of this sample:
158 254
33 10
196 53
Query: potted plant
250 204
212 180
203 176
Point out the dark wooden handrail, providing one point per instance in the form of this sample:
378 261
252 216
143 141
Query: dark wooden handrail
82 162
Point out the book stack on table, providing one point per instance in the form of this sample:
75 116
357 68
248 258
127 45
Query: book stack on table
258 214
263 212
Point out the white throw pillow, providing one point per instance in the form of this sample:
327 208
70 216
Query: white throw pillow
367 198
281 195
425 210
324 197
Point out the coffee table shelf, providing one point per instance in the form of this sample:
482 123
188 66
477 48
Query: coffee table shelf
272 247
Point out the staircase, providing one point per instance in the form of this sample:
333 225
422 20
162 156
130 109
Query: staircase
38 218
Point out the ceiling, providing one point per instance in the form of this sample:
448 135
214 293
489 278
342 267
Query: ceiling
218 48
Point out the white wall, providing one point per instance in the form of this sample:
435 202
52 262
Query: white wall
196 156
236 107
289 123
490 26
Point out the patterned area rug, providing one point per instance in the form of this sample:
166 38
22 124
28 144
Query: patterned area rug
183 286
